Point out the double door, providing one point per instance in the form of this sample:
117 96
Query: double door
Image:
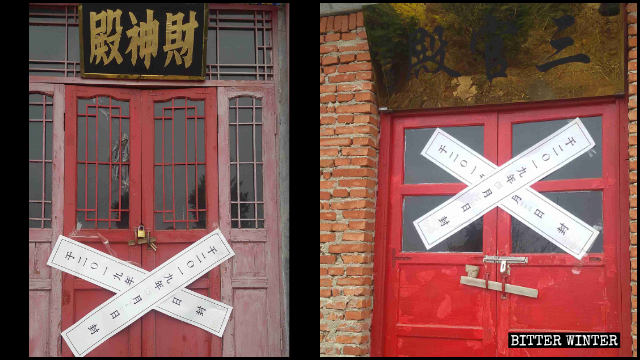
141 157
421 306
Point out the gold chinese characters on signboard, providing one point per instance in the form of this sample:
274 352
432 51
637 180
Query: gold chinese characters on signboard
134 53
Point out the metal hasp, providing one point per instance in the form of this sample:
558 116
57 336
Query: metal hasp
505 261
143 237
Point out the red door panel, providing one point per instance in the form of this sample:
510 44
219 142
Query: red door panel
574 295
79 297
428 307
165 106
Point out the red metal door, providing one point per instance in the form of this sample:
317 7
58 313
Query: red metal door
110 189
574 295
421 309
428 312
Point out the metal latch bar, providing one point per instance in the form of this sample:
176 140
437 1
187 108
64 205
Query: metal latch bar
493 285
509 259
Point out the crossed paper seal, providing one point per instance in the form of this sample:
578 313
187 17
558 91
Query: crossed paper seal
139 291
507 186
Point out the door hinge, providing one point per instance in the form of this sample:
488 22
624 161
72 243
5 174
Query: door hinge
64 120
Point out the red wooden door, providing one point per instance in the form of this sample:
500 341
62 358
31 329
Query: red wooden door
421 307
179 203
114 139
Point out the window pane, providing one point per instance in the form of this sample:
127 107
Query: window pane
46 42
418 169
586 205
179 182
587 165
467 239
102 163
241 45
40 123
245 162
237 47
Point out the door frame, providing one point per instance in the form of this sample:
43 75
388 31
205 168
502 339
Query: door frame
382 228
269 235
50 235
148 258
141 159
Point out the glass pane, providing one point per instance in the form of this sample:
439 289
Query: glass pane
586 205
104 118
258 142
467 239
233 176
80 190
245 115
46 43
237 47
191 139
258 115
245 140
211 47
259 182
35 181
104 138
180 193
234 211
74 49
35 211
48 140
587 165
419 170
47 181
233 116
179 135
232 143
246 182
159 224
157 141
157 189
35 140
201 138
247 211
248 224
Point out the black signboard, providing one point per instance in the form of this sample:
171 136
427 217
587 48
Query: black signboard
165 41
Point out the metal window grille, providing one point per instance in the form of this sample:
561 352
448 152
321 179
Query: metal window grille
103 163
40 159
245 36
179 165
245 151
59 23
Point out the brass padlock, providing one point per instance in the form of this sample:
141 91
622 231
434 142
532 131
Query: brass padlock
140 233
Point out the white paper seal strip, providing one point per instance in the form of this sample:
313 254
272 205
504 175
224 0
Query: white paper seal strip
531 165
117 275
151 289
531 207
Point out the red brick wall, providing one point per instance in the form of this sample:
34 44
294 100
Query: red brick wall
633 166
348 178
348 183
